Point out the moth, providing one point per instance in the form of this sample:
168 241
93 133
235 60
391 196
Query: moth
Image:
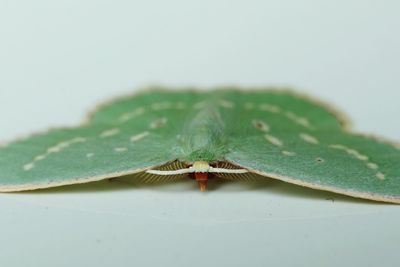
228 133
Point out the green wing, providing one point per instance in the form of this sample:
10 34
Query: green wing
297 140
123 137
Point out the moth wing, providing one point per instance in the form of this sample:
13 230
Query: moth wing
287 136
80 155
352 165
123 137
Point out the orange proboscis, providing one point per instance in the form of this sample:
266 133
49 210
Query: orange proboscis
201 178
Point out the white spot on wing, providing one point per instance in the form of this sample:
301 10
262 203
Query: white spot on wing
299 120
89 155
140 136
352 152
40 157
290 115
60 146
309 138
130 115
340 147
273 140
74 141
380 176
120 149
269 108
372 166
110 132
289 153
54 149
29 166
356 154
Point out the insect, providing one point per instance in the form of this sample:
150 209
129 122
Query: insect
162 134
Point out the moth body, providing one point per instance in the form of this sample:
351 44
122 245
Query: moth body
228 133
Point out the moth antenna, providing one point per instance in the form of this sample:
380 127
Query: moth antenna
173 172
223 170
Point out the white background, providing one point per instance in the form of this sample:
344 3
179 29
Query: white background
59 58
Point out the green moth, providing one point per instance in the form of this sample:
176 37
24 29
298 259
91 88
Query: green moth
162 134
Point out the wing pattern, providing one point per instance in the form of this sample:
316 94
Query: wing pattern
277 134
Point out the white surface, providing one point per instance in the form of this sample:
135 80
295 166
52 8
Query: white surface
58 58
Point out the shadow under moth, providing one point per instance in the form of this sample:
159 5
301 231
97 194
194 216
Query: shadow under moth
164 135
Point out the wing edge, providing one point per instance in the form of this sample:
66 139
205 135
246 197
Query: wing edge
351 193
31 187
